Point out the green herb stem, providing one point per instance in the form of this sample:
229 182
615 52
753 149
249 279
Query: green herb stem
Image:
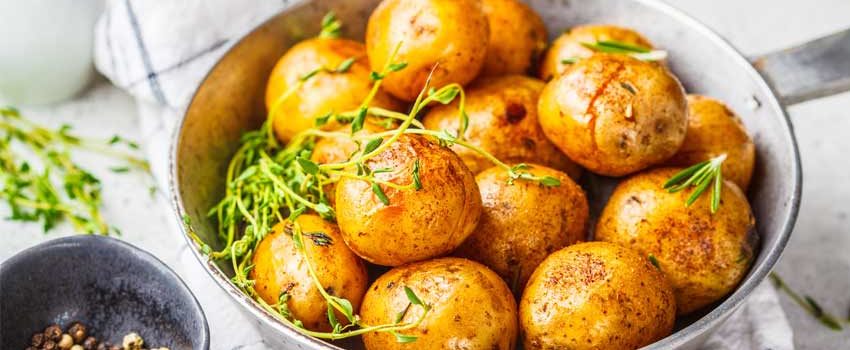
808 304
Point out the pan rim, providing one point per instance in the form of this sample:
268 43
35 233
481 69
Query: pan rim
698 328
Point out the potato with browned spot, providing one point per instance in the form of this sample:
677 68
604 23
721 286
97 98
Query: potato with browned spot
408 224
517 37
323 92
446 37
714 129
703 255
502 121
470 307
615 115
279 267
569 46
595 295
523 222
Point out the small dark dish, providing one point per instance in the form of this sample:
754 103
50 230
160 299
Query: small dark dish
112 287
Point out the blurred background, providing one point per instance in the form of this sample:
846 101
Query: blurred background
815 262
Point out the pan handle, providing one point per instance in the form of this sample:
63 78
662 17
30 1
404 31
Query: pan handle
812 70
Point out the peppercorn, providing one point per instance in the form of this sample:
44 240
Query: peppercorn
65 342
90 343
31 348
78 332
49 345
37 339
53 332
133 341
77 347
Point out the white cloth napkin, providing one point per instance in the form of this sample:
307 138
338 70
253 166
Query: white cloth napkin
159 51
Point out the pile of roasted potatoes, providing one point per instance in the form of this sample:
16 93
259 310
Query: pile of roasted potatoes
477 256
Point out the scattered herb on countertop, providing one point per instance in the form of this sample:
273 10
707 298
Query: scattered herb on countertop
42 183
808 304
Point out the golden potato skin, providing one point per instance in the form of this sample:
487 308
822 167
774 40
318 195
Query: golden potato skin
324 92
714 129
517 37
704 256
569 45
279 267
503 121
471 307
615 115
417 224
524 222
595 295
451 34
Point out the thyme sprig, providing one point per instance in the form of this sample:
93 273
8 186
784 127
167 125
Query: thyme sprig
268 183
808 304
41 182
331 26
700 176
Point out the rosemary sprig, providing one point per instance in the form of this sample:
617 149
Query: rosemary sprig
700 176
618 47
40 181
808 304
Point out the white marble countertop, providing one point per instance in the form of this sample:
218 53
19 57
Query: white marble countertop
816 260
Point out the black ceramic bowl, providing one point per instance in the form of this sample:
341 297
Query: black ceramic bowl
110 286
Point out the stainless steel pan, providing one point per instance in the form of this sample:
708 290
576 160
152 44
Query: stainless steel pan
230 101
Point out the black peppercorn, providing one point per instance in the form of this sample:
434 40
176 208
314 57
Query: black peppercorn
37 339
77 331
49 345
53 333
90 343
31 348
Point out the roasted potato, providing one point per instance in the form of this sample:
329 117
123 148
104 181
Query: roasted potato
470 307
280 268
522 223
595 295
502 121
714 129
415 224
614 114
703 255
569 46
322 93
448 37
517 37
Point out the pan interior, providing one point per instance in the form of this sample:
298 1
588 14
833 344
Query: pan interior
230 101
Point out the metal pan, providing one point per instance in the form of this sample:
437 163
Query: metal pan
230 101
